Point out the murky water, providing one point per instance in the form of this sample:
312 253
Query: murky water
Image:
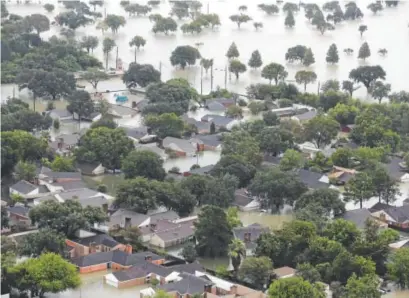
387 29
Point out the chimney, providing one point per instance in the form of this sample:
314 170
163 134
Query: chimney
128 249
233 290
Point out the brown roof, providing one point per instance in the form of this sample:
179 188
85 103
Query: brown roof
284 271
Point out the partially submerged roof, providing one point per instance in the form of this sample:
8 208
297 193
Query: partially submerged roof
182 231
24 187
202 170
217 119
284 272
357 216
69 139
136 132
307 115
19 210
189 284
395 168
99 239
120 215
166 215
188 268
80 194
179 145
61 175
209 140
241 198
62 113
249 234
311 179
141 269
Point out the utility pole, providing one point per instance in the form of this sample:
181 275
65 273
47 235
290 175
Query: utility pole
201 80
105 12
207 7
116 60
225 77
319 84
135 55
160 67
211 78
106 62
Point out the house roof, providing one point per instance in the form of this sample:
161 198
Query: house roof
136 132
378 207
160 225
254 231
62 175
179 145
142 104
93 259
307 115
62 113
141 269
215 106
399 214
24 187
166 215
284 271
97 240
87 168
202 170
19 210
183 230
222 100
241 198
311 179
80 194
394 168
69 139
188 268
120 215
153 148
209 140
217 119
357 216
122 111
189 284
97 201
70 185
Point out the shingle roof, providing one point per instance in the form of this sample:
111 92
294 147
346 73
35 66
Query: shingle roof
394 168
241 198
215 106
190 284
254 231
71 185
63 113
20 210
311 179
119 216
93 259
183 230
97 201
69 139
80 194
307 115
357 216
210 140
179 145
400 214
24 187
97 240
378 207
136 133
61 175
188 268
142 269
167 215
202 171
284 271
217 119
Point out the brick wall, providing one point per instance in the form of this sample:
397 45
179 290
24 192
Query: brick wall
131 283
94 268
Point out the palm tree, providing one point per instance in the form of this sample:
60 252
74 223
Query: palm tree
237 250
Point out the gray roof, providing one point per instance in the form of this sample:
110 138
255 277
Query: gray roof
357 216
62 175
167 215
118 110
271 159
98 201
24 187
70 185
120 215
307 115
378 207
94 259
209 140
254 231
69 139
311 179
188 268
399 214
221 100
217 120
189 284
142 104
142 269
43 189
160 225
202 170
178 144
82 193
182 231
97 240
215 106
394 169
241 198
154 149
136 133
20 210
61 113
87 168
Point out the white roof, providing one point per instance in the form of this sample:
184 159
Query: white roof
147 292
220 283
398 244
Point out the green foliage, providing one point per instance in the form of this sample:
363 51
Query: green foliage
212 232
308 58
105 146
165 125
305 77
328 199
80 102
398 268
237 251
89 43
364 51
359 189
46 240
308 272
239 19
321 130
271 119
189 252
274 71
63 164
295 287
114 22
234 112
379 90
56 124
362 29
366 286
94 76
49 7
206 63
344 114
164 25
256 270
242 144
108 45
144 164
375 7
331 98
269 8
47 273
367 74
332 54
25 171
102 188
275 140
255 60
291 160
289 20
236 67
184 55
140 75
107 122
232 52
232 214
256 107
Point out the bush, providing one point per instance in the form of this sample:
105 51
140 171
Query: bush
102 188
56 124
174 170
285 102
195 166
256 107
242 102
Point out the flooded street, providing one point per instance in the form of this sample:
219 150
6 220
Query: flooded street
272 41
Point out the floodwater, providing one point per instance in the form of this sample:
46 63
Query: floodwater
388 29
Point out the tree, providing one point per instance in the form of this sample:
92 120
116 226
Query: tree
362 29
165 25
291 160
375 7
49 7
63 164
137 41
25 171
181 10
44 241
331 98
332 54
206 64
39 22
296 53
89 43
271 119
236 67
359 189
346 264
308 58
258 25
242 144
290 6
80 103
379 90
234 112
233 217
235 165
94 76
349 87
398 267
289 20
239 19
108 45
143 163
232 52
105 146
137 9
237 251
342 231
305 77
276 188
66 217
269 8
321 130
364 51
96 3
323 26
114 22
255 60
344 114
274 71
212 232
308 272
330 85
184 55
366 286
140 75
295 287
256 270
189 252
275 140
72 19
165 125
328 199
47 273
